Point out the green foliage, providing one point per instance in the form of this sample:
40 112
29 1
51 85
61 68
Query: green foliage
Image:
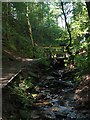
21 91
81 62
39 52
45 29
44 61
79 20
43 18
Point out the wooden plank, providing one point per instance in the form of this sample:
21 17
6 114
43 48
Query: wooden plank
11 79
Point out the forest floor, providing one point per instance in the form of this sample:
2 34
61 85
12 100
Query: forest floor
40 92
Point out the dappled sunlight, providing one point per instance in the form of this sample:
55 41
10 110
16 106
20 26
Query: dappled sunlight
45 64
34 95
86 77
71 66
82 92
27 59
55 108
78 91
42 103
77 97
83 52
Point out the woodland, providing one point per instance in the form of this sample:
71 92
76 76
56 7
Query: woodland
46 60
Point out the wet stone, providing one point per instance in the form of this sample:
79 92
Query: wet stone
50 78
34 115
55 101
50 116
72 115
59 111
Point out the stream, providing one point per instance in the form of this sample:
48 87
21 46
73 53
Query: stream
56 99
54 96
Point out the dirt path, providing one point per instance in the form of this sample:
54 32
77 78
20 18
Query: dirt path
11 67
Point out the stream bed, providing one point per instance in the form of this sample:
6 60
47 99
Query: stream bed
52 96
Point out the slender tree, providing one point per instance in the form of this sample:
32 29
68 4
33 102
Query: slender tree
68 29
7 21
29 25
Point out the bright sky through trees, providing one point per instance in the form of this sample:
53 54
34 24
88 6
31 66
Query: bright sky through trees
68 11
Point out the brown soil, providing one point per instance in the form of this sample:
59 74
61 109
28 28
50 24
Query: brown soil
82 95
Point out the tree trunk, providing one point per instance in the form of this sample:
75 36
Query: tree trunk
30 29
66 25
7 21
88 8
